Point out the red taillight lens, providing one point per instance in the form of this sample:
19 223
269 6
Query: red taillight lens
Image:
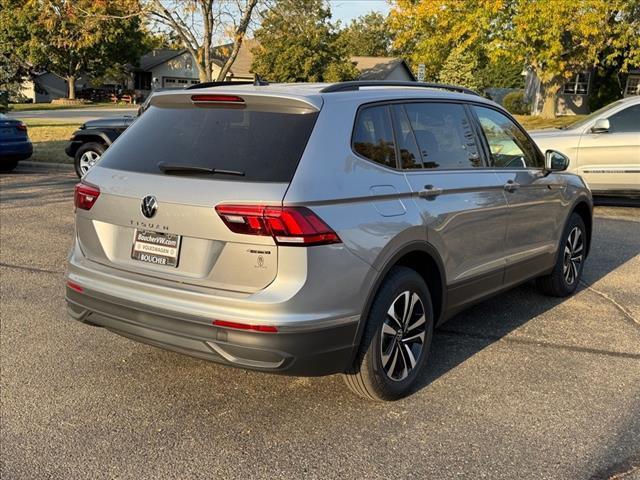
85 196
287 225
244 326
217 98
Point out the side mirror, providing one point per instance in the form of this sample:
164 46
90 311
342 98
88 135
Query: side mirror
555 161
601 126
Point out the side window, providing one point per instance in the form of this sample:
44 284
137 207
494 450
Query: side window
407 146
444 135
373 135
628 120
509 146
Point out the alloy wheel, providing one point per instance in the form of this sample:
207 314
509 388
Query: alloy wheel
87 160
403 335
573 256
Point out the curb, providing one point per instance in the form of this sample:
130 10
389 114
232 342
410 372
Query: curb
47 166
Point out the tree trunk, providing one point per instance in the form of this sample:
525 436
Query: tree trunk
550 90
71 85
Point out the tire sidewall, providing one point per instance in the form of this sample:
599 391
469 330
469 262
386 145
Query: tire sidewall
92 146
574 221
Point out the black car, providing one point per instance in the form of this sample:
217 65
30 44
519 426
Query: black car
14 143
89 142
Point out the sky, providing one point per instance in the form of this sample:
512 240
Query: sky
346 10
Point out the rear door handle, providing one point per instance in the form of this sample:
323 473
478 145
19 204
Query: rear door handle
430 192
511 186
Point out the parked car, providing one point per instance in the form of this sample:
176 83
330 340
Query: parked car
604 147
313 229
88 143
14 143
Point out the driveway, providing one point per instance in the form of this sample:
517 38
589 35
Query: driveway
74 115
520 386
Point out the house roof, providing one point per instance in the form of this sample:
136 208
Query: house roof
157 57
379 68
242 66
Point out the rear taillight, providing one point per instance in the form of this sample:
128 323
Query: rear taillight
287 225
22 127
85 196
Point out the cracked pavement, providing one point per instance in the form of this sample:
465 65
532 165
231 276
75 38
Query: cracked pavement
519 386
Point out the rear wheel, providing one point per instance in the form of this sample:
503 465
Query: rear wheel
396 340
87 156
564 278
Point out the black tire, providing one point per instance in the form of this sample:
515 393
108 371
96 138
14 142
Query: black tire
565 277
8 165
91 147
369 376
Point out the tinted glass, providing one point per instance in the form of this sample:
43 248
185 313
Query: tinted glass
409 154
628 120
444 135
373 135
266 146
509 146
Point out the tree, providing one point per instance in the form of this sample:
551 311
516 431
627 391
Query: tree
298 43
197 22
460 68
368 35
68 37
553 38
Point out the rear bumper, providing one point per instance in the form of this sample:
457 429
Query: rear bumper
306 352
16 150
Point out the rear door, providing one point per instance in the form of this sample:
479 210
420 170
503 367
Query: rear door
462 202
536 212
255 150
610 161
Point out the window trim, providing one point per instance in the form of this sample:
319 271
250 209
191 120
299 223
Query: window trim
470 117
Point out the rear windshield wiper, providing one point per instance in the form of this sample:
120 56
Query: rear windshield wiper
177 168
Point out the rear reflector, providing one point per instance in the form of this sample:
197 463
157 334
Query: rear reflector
217 98
244 326
85 196
287 225
74 286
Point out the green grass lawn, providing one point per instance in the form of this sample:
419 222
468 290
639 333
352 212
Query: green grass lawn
26 107
531 122
49 138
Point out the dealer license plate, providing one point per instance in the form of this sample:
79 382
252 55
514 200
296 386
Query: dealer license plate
157 248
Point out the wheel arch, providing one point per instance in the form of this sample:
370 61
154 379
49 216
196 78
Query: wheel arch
426 261
583 209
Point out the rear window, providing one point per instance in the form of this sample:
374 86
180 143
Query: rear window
266 146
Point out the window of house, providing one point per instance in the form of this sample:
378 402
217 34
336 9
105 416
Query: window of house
633 85
509 146
444 135
373 135
578 85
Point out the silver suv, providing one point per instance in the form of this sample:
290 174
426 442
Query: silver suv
312 229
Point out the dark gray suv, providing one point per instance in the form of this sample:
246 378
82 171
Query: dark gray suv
312 229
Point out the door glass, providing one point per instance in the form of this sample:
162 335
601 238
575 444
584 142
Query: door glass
628 120
373 135
509 146
444 135
409 154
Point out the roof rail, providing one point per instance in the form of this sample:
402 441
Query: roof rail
357 84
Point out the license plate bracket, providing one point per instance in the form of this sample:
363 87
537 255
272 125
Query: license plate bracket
156 248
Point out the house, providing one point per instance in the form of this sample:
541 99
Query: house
163 68
46 86
383 68
573 97
241 68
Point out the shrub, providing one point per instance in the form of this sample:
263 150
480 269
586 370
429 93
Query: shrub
515 103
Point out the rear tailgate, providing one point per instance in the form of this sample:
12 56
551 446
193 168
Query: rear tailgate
263 142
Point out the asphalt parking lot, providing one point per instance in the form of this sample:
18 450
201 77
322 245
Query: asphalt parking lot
520 386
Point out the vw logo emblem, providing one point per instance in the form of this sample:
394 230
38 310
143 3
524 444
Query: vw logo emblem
149 206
